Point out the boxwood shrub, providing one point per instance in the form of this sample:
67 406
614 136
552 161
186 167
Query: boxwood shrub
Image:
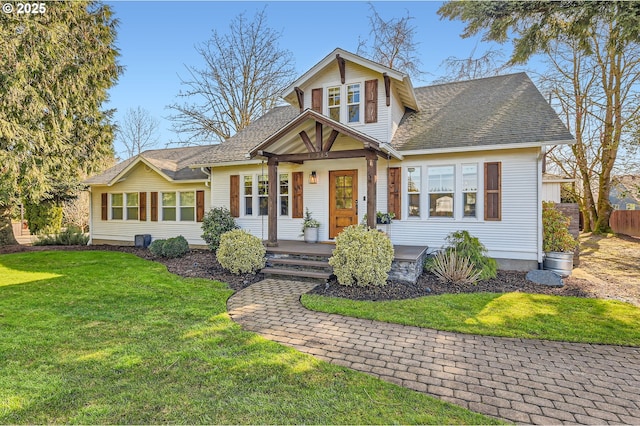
171 248
240 252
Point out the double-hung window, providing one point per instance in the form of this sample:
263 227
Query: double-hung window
248 195
333 99
132 205
353 103
441 190
263 195
117 206
187 206
413 191
469 189
179 206
169 206
283 188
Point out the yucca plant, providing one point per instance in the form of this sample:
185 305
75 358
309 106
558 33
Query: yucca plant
449 266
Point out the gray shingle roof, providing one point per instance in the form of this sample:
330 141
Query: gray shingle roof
490 111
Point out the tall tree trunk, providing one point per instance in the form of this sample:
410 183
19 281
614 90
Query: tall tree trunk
6 229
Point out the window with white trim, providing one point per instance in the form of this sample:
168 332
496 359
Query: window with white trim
441 188
469 190
413 191
353 103
169 206
178 206
333 102
117 206
263 195
132 205
248 195
187 206
283 189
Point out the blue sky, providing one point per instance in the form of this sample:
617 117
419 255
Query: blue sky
157 38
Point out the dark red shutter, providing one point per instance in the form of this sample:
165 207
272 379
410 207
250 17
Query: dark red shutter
154 206
199 206
105 205
234 201
297 209
316 100
394 189
493 191
371 101
142 208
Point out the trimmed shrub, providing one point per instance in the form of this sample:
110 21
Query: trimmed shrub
555 230
44 217
362 257
175 247
450 266
471 248
72 236
156 247
240 252
216 222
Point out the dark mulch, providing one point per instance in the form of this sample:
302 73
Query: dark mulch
203 264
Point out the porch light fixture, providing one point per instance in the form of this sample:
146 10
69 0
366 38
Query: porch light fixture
313 178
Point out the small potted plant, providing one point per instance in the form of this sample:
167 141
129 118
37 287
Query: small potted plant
384 218
557 243
310 228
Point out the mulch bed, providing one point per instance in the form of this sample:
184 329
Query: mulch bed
203 264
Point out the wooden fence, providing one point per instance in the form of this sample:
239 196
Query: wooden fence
625 222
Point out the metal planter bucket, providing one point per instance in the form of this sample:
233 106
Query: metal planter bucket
560 263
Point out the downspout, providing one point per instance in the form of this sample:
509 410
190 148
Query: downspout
207 171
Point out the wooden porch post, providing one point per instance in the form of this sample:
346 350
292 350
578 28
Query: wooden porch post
372 183
272 205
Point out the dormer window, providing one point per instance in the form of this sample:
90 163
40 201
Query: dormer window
333 97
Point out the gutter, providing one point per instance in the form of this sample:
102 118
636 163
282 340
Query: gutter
497 147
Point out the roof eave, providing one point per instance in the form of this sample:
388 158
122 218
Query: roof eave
494 147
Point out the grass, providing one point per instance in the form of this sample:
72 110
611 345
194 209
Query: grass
103 337
521 315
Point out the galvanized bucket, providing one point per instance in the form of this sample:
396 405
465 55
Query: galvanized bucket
558 262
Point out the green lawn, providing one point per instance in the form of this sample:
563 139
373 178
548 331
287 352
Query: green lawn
570 319
103 337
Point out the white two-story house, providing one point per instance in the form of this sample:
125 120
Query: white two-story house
355 138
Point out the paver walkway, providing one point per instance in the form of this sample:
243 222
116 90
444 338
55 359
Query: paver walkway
519 380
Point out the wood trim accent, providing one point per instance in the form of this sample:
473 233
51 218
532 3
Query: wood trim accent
316 100
104 205
371 101
272 202
387 88
372 185
332 138
493 191
341 67
199 206
234 195
297 191
154 206
394 197
325 155
142 206
300 97
307 141
319 136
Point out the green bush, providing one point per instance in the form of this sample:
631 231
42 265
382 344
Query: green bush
175 247
471 248
451 267
156 247
72 236
216 222
555 230
44 217
362 256
240 252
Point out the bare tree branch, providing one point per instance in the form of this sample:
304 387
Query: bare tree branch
138 131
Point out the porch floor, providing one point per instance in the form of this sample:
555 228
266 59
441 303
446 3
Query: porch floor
401 252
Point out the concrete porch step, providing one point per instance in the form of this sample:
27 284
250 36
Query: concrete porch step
300 262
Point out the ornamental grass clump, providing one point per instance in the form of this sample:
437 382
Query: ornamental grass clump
362 257
452 267
240 252
469 247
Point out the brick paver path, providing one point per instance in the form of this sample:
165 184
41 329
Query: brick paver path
520 380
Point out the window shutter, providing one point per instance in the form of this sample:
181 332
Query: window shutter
234 202
142 208
492 191
394 185
316 100
371 101
199 206
105 205
297 202
154 206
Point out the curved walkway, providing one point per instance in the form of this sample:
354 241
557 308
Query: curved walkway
519 380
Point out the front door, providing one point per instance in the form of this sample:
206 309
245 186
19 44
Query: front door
343 200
